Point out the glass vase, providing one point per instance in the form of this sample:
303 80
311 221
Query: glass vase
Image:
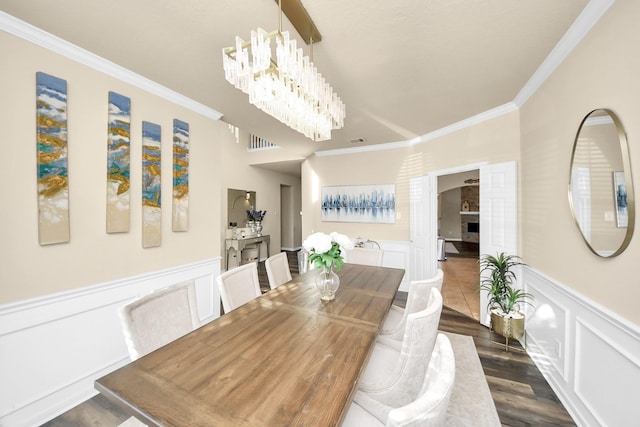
327 282
259 228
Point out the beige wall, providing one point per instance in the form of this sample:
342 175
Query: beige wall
492 141
602 72
237 172
93 256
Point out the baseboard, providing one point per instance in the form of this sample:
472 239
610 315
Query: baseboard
291 249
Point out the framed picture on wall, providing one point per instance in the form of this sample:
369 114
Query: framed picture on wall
359 203
620 194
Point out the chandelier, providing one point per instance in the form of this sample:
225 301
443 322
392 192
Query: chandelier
289 87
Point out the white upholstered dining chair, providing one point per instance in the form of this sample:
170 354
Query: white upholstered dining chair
365 256
278 271
417 299
429 409
394 377
158 318
238 286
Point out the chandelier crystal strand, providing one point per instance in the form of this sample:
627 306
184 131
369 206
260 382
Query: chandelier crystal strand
290 89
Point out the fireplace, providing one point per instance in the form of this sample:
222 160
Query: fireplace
470 227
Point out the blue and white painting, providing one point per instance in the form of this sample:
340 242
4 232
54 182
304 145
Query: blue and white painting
118 163
53 176
180 219
359 203
151 194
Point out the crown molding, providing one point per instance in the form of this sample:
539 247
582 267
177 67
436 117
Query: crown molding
589 16
28 32
462 124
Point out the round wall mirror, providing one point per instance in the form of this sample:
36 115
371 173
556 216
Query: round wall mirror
600 185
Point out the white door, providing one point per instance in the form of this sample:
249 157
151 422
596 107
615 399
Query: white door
419 203
498 216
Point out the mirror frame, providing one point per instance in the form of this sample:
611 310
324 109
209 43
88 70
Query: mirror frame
234 195
624 152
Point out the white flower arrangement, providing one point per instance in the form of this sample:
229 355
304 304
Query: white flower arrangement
325 249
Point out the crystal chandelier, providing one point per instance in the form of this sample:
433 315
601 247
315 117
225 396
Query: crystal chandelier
289 88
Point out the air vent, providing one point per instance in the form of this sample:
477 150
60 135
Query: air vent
357 141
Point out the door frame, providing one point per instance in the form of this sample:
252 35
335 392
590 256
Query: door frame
424 200
433 217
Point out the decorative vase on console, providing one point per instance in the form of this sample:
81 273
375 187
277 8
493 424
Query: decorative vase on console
255 218
326 255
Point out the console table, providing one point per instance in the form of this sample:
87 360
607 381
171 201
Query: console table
239 244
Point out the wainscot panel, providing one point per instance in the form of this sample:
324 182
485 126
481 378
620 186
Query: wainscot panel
397 254
53 348
589 355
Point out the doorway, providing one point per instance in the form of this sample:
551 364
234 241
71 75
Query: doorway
287 219
459 225
498 217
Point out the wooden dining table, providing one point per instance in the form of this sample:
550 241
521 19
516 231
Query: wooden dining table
285 358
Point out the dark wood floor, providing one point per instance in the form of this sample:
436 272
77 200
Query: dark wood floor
520 392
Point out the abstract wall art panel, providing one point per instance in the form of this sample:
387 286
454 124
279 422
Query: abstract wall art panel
359 203
118 163
180 218
151 194
53 178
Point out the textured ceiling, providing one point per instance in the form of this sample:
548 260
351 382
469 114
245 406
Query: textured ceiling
403 68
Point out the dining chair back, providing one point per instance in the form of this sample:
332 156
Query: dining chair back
429 409
394 378
238 286
365 256
278 271
392 332
158 318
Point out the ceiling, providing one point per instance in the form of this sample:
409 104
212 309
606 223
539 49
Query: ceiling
403 68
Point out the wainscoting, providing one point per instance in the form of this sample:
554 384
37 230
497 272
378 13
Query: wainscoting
589 356
397 254
53 348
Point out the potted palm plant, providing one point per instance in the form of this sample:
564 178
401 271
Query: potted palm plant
505 301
